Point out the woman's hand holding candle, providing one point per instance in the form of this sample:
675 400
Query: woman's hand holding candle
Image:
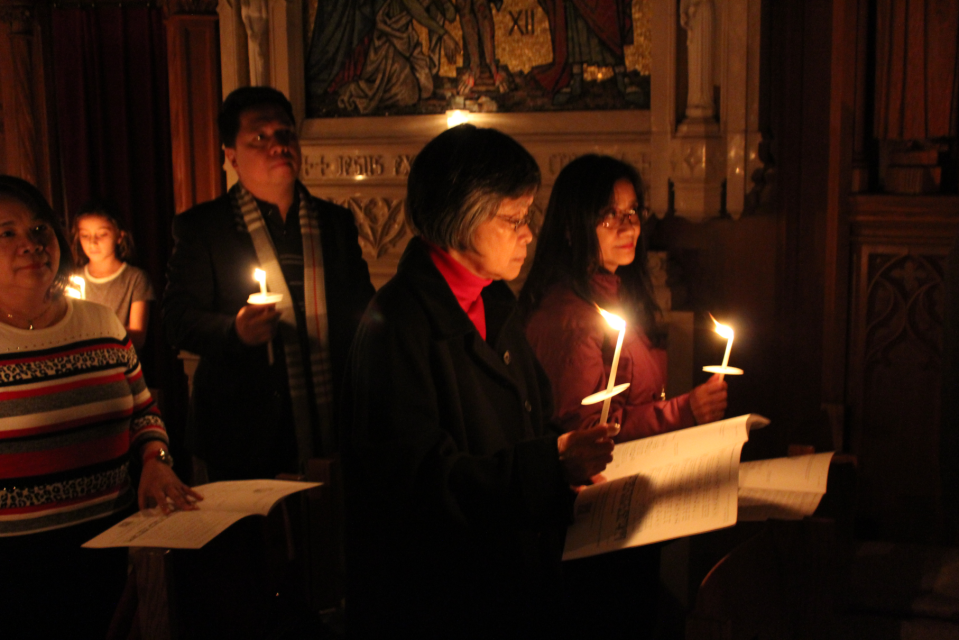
586 452
708 400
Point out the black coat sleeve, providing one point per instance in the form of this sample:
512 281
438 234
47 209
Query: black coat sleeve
194 316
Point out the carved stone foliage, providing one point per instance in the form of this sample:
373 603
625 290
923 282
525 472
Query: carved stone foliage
380 222
904 306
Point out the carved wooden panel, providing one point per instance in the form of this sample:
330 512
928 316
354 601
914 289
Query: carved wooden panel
894 368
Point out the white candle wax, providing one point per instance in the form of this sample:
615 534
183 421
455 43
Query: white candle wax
729 347
612 374
264 298
617 323
260 276
726 332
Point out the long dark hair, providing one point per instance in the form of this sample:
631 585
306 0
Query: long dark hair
567 250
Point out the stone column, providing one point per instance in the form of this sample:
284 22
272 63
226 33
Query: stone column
287 53
696 156
256 21
263 49
740 100
193 65
706 150
662 117
234 58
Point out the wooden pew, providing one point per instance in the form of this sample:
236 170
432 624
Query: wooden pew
787 581
258 576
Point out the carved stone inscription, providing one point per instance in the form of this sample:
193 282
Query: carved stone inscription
373 165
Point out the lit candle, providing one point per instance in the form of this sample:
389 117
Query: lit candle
726 332
456 117
81 286
264 298
260 276
616 323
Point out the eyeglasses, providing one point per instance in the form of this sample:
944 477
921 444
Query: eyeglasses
613 219
517 222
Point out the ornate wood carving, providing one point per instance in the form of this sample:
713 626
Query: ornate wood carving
895 359
904 305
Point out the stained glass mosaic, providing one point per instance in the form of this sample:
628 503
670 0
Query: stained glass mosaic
382 57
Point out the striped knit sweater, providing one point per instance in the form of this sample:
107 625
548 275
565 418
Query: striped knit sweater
73 404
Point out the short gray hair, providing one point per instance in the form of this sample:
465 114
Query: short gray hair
460 178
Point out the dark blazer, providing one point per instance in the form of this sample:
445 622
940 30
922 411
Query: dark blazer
456 501
238 399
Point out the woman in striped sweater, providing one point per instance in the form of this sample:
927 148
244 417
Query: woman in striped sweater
74 409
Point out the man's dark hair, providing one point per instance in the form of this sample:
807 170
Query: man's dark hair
459 179
243 99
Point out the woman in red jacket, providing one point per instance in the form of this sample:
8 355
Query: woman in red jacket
590 253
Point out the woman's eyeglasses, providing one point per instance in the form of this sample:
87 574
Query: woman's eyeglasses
516 223
613 219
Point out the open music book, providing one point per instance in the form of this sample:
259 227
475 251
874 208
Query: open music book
223 504
687 482
782 488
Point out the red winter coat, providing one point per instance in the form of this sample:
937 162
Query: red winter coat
575 345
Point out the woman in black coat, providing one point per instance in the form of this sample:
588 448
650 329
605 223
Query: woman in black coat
458 490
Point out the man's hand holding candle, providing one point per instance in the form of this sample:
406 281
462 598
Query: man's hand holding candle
256 323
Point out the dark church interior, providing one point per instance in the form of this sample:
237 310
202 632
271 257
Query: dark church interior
829 242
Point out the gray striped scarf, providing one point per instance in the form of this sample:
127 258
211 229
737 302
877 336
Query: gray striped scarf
317 329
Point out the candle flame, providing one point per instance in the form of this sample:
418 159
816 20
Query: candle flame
724 330
259 275
614 320
456 117
80 292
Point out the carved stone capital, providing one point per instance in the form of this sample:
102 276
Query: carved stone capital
380 223
188 7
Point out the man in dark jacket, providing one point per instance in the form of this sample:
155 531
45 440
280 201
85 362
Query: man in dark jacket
263 392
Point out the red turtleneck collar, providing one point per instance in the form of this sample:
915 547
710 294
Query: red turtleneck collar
466 286
605 286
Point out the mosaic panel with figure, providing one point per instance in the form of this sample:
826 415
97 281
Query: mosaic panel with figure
388 57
